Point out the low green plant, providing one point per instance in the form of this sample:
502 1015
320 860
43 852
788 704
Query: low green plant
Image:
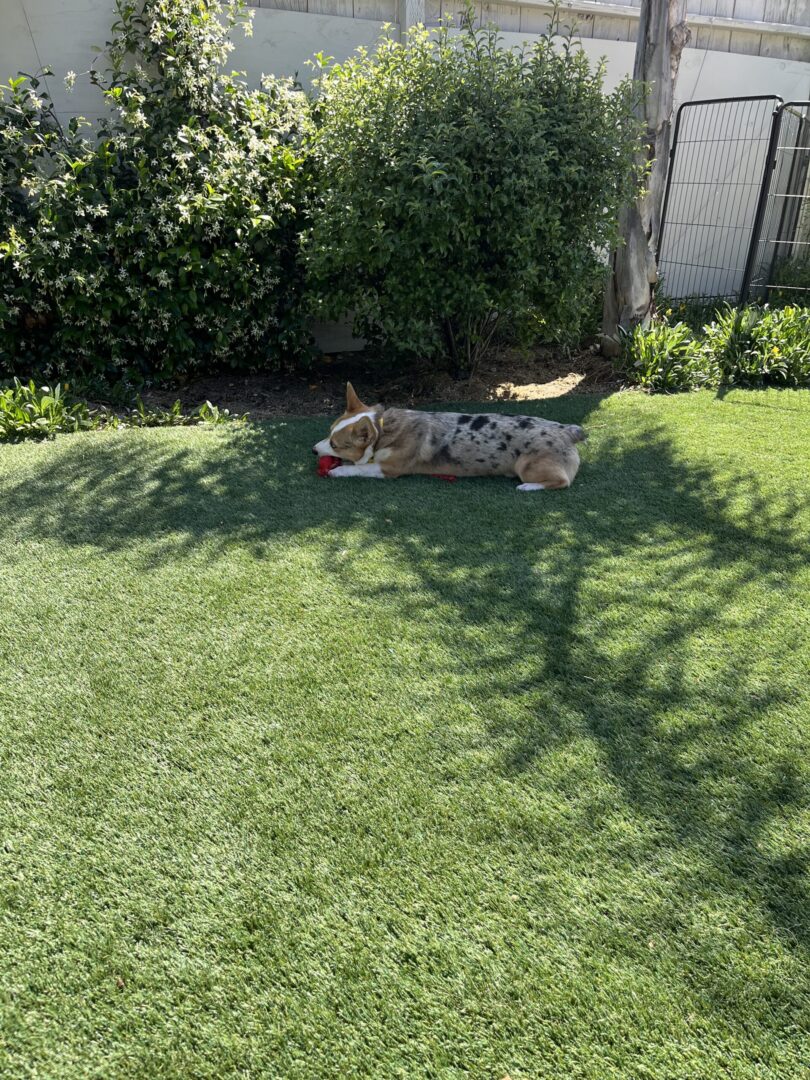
667 357
761 346
749 346
31 412
28 411
145 416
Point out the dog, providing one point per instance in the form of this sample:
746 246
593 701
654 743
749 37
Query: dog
382 444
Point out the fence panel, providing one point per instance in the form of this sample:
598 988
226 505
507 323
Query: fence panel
779 261
719 157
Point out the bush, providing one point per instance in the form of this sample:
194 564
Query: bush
169 243
751 346
461 183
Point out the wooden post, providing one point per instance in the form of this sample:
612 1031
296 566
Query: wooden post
409 13
662 35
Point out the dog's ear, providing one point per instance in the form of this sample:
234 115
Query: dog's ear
353 402
363 432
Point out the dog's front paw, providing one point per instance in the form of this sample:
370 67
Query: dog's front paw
342 470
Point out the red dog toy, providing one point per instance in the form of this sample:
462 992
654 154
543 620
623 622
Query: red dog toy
326 463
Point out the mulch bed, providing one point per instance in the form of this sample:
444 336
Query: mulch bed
508 376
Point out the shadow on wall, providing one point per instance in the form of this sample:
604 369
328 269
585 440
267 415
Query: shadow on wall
639 610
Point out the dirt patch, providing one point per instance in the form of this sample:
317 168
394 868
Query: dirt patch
507 376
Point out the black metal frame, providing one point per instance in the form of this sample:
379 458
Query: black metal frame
760 232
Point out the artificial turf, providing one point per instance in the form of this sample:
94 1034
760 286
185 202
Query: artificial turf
310 779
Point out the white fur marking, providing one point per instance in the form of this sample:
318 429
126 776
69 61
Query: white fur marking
522 487
341 424
371 472
323 447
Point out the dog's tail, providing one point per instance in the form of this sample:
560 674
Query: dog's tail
576 433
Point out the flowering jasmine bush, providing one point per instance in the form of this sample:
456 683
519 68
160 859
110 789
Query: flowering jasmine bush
462 184
169 242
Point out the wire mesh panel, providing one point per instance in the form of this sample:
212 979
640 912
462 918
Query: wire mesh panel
719 154
779 262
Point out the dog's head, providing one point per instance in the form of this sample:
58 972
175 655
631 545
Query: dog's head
353 435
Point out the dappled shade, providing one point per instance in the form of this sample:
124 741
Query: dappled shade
569 725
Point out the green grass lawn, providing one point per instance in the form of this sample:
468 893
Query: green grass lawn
313 779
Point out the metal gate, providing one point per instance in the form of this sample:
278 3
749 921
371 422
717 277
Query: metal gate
736 214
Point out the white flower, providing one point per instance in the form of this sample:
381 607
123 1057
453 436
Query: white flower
70 80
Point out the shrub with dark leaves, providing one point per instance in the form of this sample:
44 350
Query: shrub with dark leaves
461 184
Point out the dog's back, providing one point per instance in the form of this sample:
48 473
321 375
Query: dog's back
474 444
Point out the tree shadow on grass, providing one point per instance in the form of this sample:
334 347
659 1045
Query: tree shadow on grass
641 609
665 659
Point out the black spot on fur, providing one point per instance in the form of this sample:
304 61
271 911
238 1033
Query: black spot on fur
501 445
480 460
493 423
508 436
478 423
549 442
524 423
464 419
444 457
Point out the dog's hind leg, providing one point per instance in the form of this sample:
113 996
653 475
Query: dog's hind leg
545 473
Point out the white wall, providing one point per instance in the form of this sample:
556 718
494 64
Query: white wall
722 74
61 33
58 34
283 41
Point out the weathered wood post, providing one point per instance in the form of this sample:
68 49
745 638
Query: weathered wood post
409 13
662 35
